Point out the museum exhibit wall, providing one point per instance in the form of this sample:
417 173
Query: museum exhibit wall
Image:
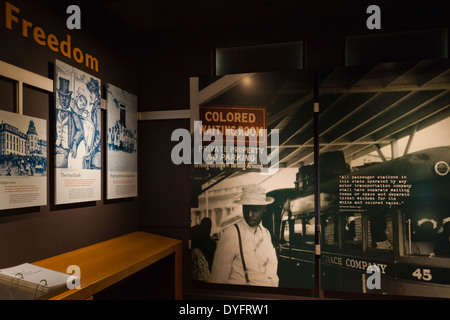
35 233
157 68
177 57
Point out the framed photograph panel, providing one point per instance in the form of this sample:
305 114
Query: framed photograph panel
23 161
122 149
77 135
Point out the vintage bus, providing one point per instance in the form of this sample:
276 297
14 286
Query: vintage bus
408 239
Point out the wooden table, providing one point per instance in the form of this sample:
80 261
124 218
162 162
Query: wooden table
106 263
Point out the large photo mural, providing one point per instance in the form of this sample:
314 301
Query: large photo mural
377 143
247 174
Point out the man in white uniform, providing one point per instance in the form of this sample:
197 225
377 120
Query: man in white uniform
245 254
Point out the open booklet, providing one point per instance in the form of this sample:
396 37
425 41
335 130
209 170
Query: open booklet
34 277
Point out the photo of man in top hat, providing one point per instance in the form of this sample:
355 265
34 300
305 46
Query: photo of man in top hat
245 253
69 130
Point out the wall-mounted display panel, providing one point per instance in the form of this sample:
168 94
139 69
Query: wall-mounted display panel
242 188
77 135
385 152
23 161
121 143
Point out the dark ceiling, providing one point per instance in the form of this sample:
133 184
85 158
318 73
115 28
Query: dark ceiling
166 16
141 20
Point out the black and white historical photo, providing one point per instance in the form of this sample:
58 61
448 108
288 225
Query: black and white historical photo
384 163
239 205
378 220
78 157
121 140
23 160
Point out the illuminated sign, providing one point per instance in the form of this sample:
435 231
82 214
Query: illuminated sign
242 125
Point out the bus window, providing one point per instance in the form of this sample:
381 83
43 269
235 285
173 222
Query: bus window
298 232
380 231
350 228
427 234
352 231
285 233
330 230
442 247
310 230
291 233
284 230
297 239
